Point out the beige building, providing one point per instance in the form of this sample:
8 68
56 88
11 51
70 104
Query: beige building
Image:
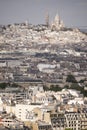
41 125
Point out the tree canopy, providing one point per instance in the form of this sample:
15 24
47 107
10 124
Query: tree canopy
71 78
4 85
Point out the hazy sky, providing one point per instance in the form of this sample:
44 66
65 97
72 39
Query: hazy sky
72 12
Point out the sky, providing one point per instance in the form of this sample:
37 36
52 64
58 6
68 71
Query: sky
72 12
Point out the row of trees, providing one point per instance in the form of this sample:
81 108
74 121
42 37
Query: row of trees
4 85
71 84
71 79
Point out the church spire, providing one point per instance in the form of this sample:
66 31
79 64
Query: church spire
47 19
57 23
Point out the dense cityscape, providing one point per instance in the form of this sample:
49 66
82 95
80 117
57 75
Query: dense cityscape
43 76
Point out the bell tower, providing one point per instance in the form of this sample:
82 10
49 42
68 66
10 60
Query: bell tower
47 19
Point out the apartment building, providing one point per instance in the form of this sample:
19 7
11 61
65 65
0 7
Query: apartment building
58 121
83 120
73 120
42 125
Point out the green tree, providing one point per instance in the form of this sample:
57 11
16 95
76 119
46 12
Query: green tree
55 88
75 86
71 78
79 88
66 86
3 85
15 85
45 88
82 80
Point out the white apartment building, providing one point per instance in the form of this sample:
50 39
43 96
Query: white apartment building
11 123
25 112
73 120
32 90
76 101
43 98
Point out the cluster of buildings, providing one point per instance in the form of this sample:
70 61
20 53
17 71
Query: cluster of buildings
42 54
25 33
36 109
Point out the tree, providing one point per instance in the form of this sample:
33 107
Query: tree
3 85
82 80
66 86
55 88
79 88
45 88
75 86
14 85
71 78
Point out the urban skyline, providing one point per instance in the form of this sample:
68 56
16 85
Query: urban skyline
43 66
72 12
